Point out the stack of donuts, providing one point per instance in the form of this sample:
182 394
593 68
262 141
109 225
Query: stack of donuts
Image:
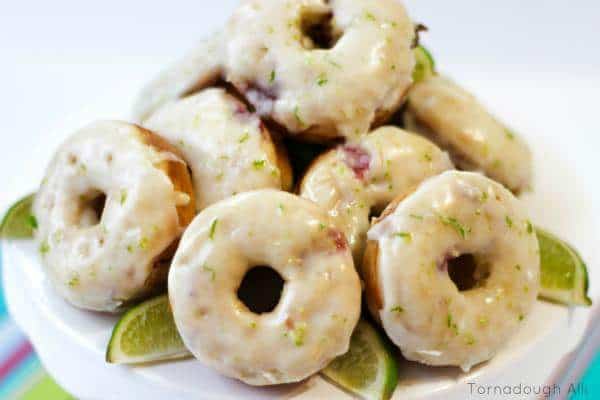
199 191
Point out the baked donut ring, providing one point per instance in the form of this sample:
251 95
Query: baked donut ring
320 301
455 120
228 149
114 201
322 69
356 180
198 69
458 223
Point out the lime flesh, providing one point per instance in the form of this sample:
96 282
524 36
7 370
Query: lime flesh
564 277
146 333
424 66
19 223
369 368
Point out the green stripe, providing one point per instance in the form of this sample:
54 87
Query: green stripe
46 389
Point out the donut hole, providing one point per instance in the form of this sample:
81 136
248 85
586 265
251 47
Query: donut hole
260 290
319 31
91 208
467 272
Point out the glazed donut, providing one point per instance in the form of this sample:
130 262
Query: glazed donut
320 301
459 224
114 201
227 148
198 69
353 181
455 120
322 69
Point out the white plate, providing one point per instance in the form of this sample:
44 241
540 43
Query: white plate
553 103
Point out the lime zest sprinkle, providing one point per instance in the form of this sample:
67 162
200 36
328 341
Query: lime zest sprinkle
518 267
509 221
529 227
509 134
470 339
298 334
213 229
521 317
244 137
484 197
322 80
398 309
44 247
144 242
272 76
74 281
123 196
427 157
213 273
281 208
417 217
461 229
32 221
483 321
130 248
407 236
369 15
258 164
297 116
321 226
451 324
252 324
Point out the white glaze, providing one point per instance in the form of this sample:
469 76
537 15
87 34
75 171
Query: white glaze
196 70
320 302
396 162
422 310
227 148
324 93
443 111
94 264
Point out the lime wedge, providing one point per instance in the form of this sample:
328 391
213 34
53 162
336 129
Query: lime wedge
564 276
19 222
425 64
146 333
369 368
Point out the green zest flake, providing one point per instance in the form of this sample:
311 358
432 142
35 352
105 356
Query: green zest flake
497 164
272 77
428 157
130 248
244 137
509 134
462 230
213 273
322 80
470 339
521 317
144 242
451 324
83 168
483 321
213 228
281 208
529 227
330 61
509 221
44 247
252 324
74 281
518 267
181 143
417 217
32 221
123 197
484 197
259 164
321 226
298 334
407 236
370 16
297 116
397 309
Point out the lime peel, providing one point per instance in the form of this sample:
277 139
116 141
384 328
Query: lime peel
19 222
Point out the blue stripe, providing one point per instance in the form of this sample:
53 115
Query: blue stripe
590 384
19 377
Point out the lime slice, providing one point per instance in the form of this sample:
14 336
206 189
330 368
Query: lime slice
369 369
19 222
564 275
146 333
425 64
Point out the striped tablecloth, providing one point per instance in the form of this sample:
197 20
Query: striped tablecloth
22 376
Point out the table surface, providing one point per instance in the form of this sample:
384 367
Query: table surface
60 56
